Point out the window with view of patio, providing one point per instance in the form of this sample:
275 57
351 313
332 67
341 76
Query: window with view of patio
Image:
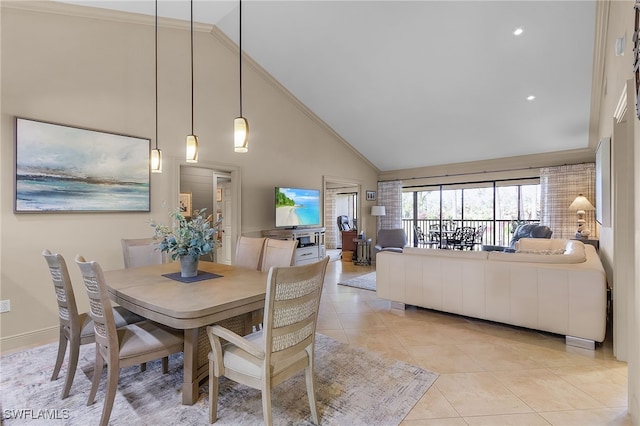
498 206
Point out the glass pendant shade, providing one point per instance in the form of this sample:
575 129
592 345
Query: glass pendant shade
156 161
241 134
192 149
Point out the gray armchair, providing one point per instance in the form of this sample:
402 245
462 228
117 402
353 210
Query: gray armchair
530 230
390 240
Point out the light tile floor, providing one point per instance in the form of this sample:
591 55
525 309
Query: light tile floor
490 374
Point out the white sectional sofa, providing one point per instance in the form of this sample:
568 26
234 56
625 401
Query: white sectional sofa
553 285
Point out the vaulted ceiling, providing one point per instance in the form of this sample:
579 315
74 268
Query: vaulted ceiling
421 83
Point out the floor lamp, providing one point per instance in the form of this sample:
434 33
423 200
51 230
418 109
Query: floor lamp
377 211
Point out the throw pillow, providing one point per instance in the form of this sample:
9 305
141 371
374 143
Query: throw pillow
546 252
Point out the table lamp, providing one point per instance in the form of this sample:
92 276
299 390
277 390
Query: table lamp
581 205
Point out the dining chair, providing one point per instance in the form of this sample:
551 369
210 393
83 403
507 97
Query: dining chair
468 238
249 251
277 253
75 328
285 345
453 239
418 236
479 235
141 252
130 345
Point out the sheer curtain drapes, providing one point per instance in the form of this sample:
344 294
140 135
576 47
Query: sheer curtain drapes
331 236
559 186
390 196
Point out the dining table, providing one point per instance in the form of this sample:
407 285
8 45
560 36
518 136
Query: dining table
220 294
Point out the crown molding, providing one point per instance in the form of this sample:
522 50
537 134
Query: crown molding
522 166
81 11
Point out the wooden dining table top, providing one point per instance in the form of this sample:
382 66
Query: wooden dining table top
147 292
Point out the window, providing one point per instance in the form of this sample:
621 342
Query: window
499 206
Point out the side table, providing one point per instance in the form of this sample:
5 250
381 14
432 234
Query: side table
363 251
595 243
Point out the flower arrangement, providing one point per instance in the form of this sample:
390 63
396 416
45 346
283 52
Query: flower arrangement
193 237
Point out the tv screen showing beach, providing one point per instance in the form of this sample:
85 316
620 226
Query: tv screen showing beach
297 207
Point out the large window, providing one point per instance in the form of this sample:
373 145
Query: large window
497 206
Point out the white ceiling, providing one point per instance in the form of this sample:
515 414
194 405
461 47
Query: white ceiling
421 83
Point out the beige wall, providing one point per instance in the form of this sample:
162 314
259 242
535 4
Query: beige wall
67 65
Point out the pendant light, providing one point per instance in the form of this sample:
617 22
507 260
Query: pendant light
156 154
192 139
240 124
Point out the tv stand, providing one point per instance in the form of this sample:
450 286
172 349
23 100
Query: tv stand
310 242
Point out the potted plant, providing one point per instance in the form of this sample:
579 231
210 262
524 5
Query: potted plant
187 239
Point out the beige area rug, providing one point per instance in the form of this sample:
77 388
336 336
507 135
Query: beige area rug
367 282
353 387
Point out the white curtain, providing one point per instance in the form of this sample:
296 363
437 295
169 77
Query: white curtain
559 186
390 196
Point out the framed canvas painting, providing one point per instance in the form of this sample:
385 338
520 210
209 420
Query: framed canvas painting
185 204
61 168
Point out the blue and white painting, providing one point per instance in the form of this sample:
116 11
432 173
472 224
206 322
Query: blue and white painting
61 168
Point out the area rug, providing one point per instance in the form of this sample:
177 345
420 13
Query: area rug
367 282
353 387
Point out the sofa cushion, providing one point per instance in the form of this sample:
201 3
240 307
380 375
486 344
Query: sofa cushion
547 252
573 252
540 244
459 254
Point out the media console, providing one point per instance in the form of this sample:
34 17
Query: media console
310 242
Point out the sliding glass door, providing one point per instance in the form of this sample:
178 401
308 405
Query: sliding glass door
496 206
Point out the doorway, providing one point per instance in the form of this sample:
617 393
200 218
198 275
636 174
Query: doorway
215 188
341 197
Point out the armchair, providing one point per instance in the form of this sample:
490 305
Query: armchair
390 240
530 230
343 223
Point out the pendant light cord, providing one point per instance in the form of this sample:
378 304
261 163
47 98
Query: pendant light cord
192 67
156 59
240 52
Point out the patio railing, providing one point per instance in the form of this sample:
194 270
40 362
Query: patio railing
498 232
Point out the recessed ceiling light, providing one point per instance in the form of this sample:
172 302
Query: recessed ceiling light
518 31
530 97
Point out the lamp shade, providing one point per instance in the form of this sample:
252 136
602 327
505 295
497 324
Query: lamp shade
156 161
241 134
581 203
192 149
377 211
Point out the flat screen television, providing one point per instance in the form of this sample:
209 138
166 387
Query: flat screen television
296 207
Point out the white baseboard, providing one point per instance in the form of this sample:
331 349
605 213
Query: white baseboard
28 340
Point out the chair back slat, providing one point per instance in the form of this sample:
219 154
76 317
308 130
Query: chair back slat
67 308
249 252
291 307
141 252
100 308
277 253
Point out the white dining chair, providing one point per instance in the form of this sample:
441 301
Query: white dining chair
284 346
277 253
141 252
74 328
130 345
249 252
